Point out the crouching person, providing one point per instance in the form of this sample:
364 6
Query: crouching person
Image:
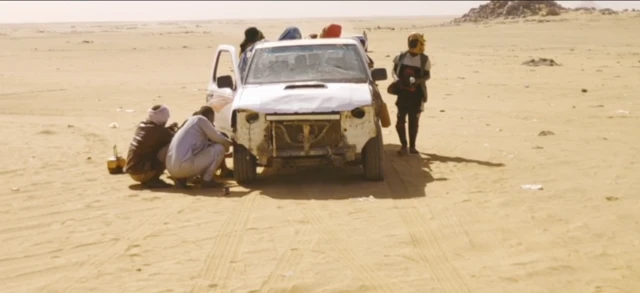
148 148
224 169
197 149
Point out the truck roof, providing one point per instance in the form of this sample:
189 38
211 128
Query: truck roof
303 42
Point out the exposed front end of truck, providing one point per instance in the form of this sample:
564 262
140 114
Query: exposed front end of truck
277 140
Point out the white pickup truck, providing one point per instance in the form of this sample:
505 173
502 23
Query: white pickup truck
300 102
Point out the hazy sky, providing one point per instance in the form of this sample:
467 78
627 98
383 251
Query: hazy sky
79 11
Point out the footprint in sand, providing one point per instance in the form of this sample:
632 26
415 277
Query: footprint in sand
133 252
47 132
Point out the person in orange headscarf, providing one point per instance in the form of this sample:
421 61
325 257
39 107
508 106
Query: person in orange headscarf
331 31
412 69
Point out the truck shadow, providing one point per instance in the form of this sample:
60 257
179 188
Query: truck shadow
405 177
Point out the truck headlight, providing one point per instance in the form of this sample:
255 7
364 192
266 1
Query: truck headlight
251 117
358 113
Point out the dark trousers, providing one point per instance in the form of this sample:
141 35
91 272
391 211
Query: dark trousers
413 115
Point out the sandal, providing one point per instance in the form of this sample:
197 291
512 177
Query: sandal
180 182
210 184
156 184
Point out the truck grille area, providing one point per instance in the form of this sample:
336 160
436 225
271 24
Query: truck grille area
290 135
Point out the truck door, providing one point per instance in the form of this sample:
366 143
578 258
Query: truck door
224 84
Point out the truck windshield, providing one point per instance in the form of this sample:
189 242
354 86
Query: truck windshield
319 62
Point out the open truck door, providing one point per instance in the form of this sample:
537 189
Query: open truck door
223 86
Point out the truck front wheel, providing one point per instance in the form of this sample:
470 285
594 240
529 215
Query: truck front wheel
244 165
373 158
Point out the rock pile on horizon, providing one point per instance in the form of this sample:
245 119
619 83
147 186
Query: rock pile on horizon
496 9
593 10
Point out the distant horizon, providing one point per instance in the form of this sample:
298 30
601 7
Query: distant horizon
57 12
233 19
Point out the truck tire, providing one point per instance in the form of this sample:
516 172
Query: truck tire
373 158
244 165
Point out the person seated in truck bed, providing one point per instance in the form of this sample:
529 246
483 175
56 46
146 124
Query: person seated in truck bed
290 33
197 149
252 35
331 31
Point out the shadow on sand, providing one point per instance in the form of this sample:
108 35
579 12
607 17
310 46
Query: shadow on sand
405 177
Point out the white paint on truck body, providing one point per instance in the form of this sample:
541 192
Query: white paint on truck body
274 98
293 102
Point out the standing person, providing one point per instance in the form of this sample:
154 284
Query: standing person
148 148
331 31
412 69
197 149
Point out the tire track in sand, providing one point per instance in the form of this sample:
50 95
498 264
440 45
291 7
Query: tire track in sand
360 268
288 262
215 273
286 266
426 240
336 243
137 233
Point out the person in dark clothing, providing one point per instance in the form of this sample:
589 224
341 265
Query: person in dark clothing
412 69
251 36
148 148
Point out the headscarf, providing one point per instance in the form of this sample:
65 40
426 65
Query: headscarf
421 43
291 33
159 116
251 36
331 31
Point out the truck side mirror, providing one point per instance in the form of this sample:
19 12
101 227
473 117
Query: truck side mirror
379 74
225 81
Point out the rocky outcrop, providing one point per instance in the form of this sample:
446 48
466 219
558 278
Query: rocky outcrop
500 9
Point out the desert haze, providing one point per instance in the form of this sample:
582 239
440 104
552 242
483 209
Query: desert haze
457 218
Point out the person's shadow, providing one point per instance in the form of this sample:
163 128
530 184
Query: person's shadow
405 177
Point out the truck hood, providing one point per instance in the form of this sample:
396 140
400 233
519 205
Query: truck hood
274 98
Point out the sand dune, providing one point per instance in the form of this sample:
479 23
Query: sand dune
453 219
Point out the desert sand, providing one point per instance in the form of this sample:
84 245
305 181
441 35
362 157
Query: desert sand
454 219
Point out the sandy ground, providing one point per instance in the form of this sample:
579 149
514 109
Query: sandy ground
454 219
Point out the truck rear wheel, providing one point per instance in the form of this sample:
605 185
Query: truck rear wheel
244 165
373 158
